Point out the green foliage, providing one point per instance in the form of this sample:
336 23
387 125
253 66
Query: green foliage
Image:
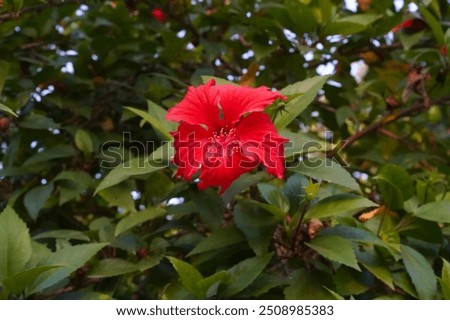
343 203
90 204
327 170
335 249
15 244
420 271
300 95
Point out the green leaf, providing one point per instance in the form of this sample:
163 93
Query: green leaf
220 238
336 249
392 195
370 259
306 285
438 211
301 94
67 194
211 281
352 24
19 281
300 143
83 141
421 229
294 188
410 40
63 234
137 218
354 234
395 185
257 225
104 227
433 24
163 154
274 195
149 262
402 280
262 285
132 168
420 272
15 244
447 37
4 70
339 204
158 186
277 213
72 184
445 279
244 273
58 151
328 170
120 196
81 178
70 259
39 253
38 122
112 267
301 15
389 234
36 198
243 182
349 282
156 117
210 207
189 275
424 192
335 295
7 110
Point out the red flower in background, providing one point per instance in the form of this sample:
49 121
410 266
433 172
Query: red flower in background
410 26
224 133
159 15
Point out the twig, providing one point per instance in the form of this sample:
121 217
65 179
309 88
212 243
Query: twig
418 106
298 227
31 45
230 67
36 8
394 136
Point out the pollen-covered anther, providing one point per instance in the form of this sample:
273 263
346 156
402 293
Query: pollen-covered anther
234 149
224 134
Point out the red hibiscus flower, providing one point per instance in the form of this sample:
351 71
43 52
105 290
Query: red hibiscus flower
224 133
159 15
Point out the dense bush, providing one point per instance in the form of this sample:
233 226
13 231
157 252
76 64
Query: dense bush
91 204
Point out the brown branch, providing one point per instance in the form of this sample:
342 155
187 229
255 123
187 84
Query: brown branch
394 116
32 45
36 8
400 139
230 67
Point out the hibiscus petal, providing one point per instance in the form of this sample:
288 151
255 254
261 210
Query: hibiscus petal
188 143
225 171
260 140
236 101
199 106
